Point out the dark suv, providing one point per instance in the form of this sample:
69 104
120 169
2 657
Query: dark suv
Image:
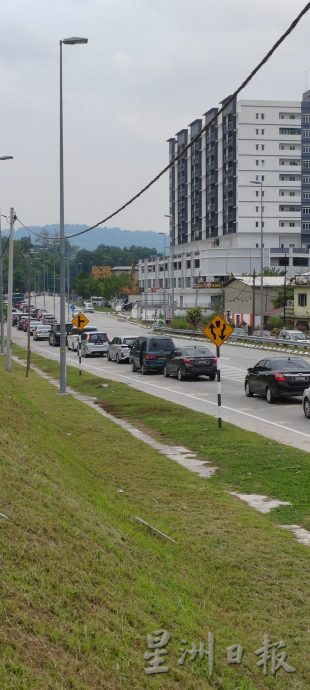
54 335
148 353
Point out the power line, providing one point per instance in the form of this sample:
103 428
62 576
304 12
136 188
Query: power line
198 136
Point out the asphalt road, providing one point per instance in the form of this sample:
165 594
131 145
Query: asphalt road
283 421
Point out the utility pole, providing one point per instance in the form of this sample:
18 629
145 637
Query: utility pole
10 293
1 297
29 296
284 294
253 298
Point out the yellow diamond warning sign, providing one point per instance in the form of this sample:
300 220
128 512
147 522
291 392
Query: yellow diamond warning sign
218 330
80 321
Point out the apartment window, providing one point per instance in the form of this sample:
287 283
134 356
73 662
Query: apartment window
292 194
256 147
281 224
306 210
292 148
188 264
306 226
263 147
290 130
262 178
306 149
256 162
292 225
257 115
306 164
262 131
257 131
262 116
306 180
256 225
262 162
257 209
257 193
302 299
197 263
306 133
306 195
306 118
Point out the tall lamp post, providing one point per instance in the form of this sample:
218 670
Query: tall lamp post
1 294
2 158
164 282
74 40
262 310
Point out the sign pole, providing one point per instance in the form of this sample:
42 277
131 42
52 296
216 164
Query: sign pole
80 354
218 330
219 388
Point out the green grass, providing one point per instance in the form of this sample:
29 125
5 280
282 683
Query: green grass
82 582
246 462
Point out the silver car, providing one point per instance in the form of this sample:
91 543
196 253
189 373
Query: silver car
73 337
119 348
94 343
41 332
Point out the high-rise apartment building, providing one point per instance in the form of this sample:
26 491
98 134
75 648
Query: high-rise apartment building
212 195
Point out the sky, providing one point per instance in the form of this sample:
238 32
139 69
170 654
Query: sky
150 68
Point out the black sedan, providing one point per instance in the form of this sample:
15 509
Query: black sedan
277 377
190 361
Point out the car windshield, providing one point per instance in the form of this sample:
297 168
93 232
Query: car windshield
162 345
298 336
97 338
294 364
129 341
197 352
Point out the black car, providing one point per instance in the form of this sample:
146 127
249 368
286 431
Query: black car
191 361
149 353
278 377
54 335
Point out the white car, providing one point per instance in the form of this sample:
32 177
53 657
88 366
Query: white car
41 332
73 337
94 343
89 307
297 337
119 348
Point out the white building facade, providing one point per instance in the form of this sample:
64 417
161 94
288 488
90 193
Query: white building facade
237 187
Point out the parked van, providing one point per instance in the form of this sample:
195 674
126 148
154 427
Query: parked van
97 301
149 353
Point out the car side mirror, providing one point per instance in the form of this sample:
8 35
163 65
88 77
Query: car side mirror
250 369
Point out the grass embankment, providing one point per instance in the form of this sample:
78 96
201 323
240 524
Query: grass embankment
82 582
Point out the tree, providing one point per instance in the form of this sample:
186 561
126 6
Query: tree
193 317
278 301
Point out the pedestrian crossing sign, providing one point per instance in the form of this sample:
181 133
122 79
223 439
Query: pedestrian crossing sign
218 330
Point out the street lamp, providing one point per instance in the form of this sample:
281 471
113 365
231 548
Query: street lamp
2 158
74 40
171 261
164 305
1 293
257 182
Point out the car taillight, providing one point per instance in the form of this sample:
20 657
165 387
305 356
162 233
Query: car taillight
187 360
279 377
214 360
150 356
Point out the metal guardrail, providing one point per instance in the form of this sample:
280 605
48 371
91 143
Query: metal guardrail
252 339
